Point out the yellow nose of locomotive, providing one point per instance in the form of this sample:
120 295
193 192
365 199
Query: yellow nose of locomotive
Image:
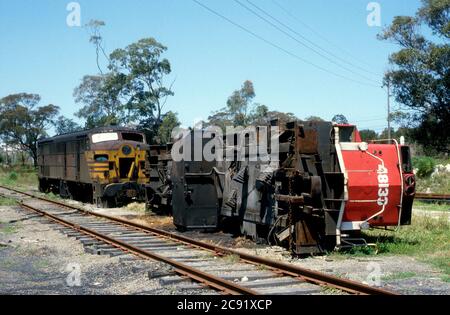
126 163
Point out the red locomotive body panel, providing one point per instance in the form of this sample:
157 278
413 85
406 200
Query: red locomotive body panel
374 184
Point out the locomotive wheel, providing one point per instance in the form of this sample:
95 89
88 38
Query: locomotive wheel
64 190
43 186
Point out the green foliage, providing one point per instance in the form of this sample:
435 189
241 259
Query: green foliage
101 100
132 92
368 135
420 73
65 125
425 234
240 111
18 177
169 123
5 201
314 118
340 119
237 111
438 184
142 69
425 166
22 123
13 176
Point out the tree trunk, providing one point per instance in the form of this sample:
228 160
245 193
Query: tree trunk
33 152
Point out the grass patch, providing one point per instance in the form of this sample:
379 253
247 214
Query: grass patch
8 228
52 196
427 239
6 201
331 291
437 184
137 207
231 259
18 177
425 235
431 206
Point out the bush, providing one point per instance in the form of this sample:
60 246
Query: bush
424 165
13 176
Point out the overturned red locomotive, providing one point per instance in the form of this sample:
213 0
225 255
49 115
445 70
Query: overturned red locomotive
309 186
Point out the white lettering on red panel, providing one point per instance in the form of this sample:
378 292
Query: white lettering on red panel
383 185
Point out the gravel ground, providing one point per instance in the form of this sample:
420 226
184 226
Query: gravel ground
36 259
400 274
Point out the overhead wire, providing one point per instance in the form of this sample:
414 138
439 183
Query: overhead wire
290 53
299 41
324 38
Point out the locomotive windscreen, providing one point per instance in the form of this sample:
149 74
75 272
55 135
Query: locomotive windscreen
103 137
132 137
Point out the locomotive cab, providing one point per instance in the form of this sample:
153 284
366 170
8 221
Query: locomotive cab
380 184
116 161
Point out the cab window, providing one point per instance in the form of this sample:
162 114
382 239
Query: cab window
104 137
346 134
130 136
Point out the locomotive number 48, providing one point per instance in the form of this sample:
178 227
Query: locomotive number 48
383 185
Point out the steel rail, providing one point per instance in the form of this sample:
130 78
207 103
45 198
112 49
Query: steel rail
433 197
304 274
183 269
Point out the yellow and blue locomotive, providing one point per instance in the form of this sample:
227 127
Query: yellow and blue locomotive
106 166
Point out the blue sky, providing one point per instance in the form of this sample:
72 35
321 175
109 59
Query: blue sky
210 58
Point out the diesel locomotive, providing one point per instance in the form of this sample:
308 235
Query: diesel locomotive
106 166
316 187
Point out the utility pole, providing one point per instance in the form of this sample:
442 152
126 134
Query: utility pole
389 109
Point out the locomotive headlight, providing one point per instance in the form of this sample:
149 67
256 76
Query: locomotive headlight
126 150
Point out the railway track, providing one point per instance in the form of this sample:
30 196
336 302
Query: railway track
433 197
201 262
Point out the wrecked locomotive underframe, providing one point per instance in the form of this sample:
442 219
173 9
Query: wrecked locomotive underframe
308 186
291 200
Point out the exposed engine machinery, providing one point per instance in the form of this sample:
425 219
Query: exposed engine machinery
106 165
315 192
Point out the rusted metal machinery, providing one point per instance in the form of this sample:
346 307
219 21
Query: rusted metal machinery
159 190
321 187
106 166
